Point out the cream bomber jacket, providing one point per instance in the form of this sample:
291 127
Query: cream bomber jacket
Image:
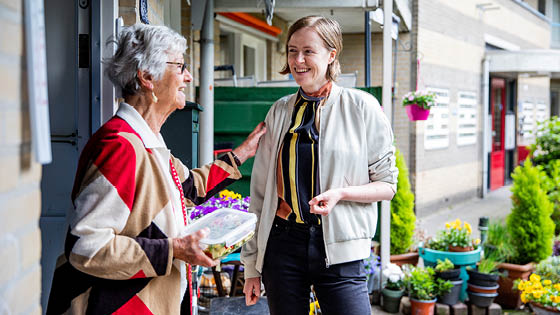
355 148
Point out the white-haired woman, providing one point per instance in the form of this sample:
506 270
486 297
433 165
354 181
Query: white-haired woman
124 252
327 157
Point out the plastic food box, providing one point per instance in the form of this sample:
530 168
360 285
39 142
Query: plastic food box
229 230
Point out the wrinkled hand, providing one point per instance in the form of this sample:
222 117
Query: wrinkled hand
249 147
188 250
252 290
325 202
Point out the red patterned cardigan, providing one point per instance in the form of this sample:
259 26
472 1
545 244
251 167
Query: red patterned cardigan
118 256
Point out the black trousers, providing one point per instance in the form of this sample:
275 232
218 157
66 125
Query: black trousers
295 259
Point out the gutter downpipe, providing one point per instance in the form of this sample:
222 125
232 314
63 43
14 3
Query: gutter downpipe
206 143
367 52
485 131
388 108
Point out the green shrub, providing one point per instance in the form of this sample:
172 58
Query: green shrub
553 188
546 152
403 218
547 143
529 223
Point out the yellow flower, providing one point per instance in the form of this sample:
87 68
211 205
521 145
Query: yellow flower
447 225
537 294
547 282
523 297
557 286
477 241
535 278
521 286
468 227
555 299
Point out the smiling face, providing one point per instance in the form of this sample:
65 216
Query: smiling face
308 59
170 90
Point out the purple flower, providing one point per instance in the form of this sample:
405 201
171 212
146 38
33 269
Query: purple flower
411 98
215 203
556 248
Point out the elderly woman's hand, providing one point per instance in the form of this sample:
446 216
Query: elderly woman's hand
188 250
249 147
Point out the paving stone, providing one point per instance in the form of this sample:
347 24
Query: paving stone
405 305
494 309
475 310
459 309
442 309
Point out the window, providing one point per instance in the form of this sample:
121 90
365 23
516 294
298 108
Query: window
436 132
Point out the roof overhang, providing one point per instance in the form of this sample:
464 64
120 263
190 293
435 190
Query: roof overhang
535 62
348 13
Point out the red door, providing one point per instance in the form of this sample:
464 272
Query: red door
497 156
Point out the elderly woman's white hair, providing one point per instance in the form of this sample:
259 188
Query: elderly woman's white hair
145 48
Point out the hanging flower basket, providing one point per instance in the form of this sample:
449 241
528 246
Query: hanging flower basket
415 112
418 104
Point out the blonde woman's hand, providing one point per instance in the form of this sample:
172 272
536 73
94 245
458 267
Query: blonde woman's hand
323 204
248 148
252 290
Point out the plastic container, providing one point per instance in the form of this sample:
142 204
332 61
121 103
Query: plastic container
229 230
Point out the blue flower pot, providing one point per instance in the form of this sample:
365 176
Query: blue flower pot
459 259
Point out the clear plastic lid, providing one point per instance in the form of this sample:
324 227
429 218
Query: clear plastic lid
226 225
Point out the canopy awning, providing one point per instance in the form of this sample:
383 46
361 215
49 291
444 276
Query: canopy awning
535 62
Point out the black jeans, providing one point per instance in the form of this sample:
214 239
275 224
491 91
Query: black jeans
295 259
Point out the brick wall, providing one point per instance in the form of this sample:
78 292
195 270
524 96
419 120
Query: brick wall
20 197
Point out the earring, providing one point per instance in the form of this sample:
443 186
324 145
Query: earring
154 97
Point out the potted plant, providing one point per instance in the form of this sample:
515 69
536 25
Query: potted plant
372 266
403 218
394 289
446 270
485 277
418 104
423 288
542 294
456 235
530 230
482 283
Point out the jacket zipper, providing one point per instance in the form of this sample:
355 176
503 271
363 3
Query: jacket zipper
327 263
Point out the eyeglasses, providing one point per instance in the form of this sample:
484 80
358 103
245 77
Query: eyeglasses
183 65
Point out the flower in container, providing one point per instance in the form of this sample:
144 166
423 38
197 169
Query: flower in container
542 294
394 288
423 288
457 237
226 199
418 104
446 270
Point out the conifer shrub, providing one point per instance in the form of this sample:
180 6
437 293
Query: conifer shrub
403 218
529 223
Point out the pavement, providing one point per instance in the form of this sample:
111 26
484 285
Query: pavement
496 205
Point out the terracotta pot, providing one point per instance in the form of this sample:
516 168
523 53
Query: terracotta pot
482 289
420 307
543 310
507 297
460 249
416 112
407 258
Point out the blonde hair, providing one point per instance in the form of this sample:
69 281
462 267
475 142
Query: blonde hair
331 34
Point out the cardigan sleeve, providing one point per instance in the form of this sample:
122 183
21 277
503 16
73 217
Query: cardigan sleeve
201 183
104 201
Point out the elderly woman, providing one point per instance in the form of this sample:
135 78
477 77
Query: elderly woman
125 252
325 161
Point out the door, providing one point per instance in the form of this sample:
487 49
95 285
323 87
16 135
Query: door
497 155
76 90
